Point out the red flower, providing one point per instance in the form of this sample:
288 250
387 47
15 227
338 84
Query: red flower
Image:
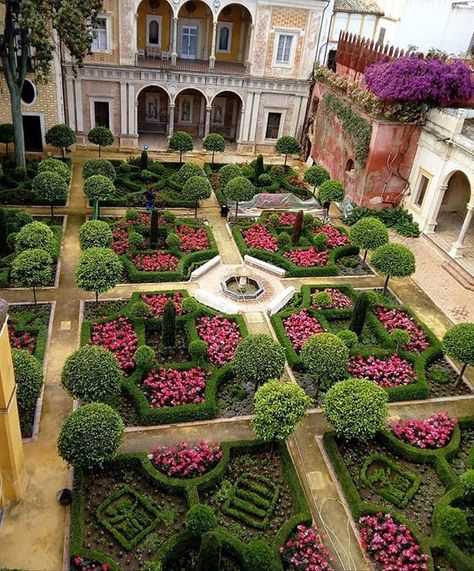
192 239
390 372
307 258
338 299
306 552
120 242
432 432
119 337
335 237
258 237
299 327
156 302
155 262
183 461
169 387
25 340
222 337
397 319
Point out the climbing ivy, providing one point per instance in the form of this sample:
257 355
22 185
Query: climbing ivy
358 128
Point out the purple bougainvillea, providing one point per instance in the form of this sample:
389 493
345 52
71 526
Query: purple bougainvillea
413 78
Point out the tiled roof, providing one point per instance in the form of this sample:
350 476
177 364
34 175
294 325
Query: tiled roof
358 7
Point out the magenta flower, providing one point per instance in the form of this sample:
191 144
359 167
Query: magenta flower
397 319
386 372
338 299
306 552
192 239
307 258
335 237
183 461
169 387
222 337
156 302
119 337
299 327
432 432
155 262
258 237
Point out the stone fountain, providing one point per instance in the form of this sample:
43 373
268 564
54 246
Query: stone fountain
241 286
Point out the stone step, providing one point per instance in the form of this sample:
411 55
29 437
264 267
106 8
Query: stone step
462 276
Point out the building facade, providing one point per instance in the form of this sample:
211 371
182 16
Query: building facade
157 66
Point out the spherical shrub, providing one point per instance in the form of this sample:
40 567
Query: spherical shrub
189 170
316 175
283 240
320 241
132 215
91 374
181 141
28 378
331 191
399 337
227 173
98 166
274 219
467 482
169 217
393 260
200 519
452 521
135 239
357 408
259 557
173 241
145 358
322 299
287 145
90 436
95 234
258 358
60 136
265 180
308 220
277 171
98 187
349 338
189 305
32 268
35 235
458 343
369 233
239 189
214 143
56 166
99 270
101 136
49 186
375 298
198 350
139 310
325 356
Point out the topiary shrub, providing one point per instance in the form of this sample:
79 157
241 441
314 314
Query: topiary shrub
320 241
308 220
101 136
50 187
144 161
315 176
359 314
35 235
259 167
168 332
145 358
458 343
95 234
60 136
139 310
331 191
99 270
393 260
154 233
214 143
322 299
297 228
258 358
357 408
173 241
90 436
28 378
56 166
368 234
195 189
98 187
259 557
91 374
182 142
452 521
132 215
198 350
200 519
348 337
210 552
287 146
226 173
189 305
103 167
32 268
135 239
399 337
189 170
325 357
239 189
467 482
283 240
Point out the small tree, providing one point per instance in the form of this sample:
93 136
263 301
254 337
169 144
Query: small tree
279 408
226 173
190 170
154 234
369 233
315 176
28 378
297 227
458 343
258 358
98 166
99 270
200 519
32 268
182 142
467 483
145 358
56 166
101 136
287 146
195 189
61 136
331 191
96 188
325 356
399 337
144 161
210 552
168 332
259 167
214 143
95 234
7 135
91 374
393 260
239 189
90 436
359 314
357 408
51 187
35 235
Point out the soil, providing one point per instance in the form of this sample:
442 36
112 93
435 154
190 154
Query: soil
106 309
465 542
445 389
127 411
180 353
459 460
360 269
235 398
306 382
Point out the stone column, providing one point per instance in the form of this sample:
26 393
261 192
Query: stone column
458 246
12 461
79 117
241 125
248 65
171 107
212 57
434 212
123 108
241 39
174 39
207 126
132 107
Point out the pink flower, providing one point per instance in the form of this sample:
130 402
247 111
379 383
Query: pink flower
287 219
192 239
307 258
156 302
24 340
432 432
156 262
306 552
222 337
299 327
120 242
258 237
183 461
390 372
397 319
119 337
338 299
169 387
335 237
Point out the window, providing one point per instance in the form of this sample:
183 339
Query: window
381 35
153 31
273 126
28 92
101 114
284 49
100 40
421 191
224 37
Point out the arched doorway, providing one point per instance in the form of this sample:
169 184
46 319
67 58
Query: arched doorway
190 112
154 30
234 28
152 116
226 115
194 37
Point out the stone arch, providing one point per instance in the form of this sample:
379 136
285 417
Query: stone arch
247 5
190 108
191 88
153 102
226 114
227 91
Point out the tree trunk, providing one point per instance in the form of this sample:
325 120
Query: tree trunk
365 256
196 210
180 158
236 209
34 296
99 152
286 158
385 285
97 300
459 379
8 151
212 158
17 120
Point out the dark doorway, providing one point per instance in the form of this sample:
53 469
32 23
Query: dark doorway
33 135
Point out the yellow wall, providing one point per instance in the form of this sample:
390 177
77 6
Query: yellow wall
164 11
236 18
110 7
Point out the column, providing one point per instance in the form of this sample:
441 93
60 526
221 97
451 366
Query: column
171 107
207 127
240 138
78 94
12 461
250 49
71 111
457 247
174 39
202 117
434 211
123 108
132 106
253 121
241 39
212 57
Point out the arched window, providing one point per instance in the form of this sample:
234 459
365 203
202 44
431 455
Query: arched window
154 32
224 36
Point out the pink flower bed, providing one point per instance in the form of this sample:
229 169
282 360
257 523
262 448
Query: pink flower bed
183 461
143 220
156 302
257 236
306 552
397 319
81 564
338 299
335 237
222 337
120 243
119 337
432 432
192 239
169 387
156 262
299 326
307 258
391 546
25 340
287 219
391 372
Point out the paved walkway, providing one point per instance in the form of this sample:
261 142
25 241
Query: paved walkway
32 532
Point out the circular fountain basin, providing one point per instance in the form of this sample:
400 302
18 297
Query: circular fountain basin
233 288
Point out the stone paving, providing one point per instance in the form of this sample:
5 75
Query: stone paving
32 534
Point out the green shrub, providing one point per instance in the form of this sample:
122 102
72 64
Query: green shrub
168 333
438 375
98 187
452 521
144 161
215 143
308 220
393 260
320 241
259 557
287 146
50 187
357 408
349 338
189 305
35 235
189 170
145 358
258 358
182 142
198 350
195 189
458 343
28 378
359 314
101 136
200 519
32 268
139 310
94 167
316 175
4 248
368 234
154 234
467 482
17 218
99 270
56 166
173 241
227 173
375 298
283 240
91 374
265 180
95 234
210 552
90 436
60 136
399 337
277 171
331 191
135 239
322 299
132 215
